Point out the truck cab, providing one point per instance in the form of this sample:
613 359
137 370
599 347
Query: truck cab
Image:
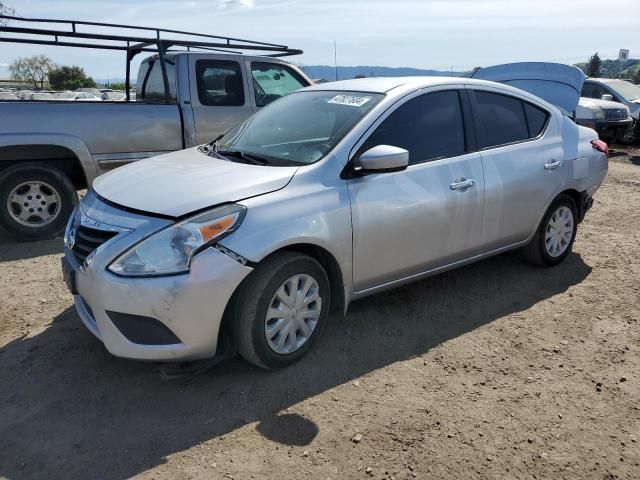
189 91
216 91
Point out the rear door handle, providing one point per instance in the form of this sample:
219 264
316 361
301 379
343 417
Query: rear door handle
462 184
552 165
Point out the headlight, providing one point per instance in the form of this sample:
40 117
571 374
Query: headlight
598 114
170 251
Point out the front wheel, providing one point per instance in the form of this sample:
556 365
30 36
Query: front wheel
280 310
35 201
555 235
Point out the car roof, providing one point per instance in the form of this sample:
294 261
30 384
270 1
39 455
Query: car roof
395 87
404 84
385 84
604 80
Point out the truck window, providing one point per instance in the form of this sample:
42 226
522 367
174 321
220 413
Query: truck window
150 86
272 81
592 90
219 83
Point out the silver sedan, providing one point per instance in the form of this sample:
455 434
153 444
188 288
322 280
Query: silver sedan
327 195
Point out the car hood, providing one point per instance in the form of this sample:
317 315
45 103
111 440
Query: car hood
605 104
182 182
556 83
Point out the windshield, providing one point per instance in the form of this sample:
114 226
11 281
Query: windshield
625 89
300 128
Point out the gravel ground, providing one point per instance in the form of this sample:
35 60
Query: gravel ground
499 369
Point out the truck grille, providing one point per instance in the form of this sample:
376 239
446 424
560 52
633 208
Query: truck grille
87 240
615 114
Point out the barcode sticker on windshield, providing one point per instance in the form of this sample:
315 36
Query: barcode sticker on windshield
350 100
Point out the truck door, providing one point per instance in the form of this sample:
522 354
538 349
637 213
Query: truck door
219 96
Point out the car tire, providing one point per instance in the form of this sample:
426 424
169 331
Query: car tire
258 296
48 198
551 245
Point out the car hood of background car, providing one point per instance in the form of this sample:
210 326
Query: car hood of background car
594 102
556 83
182 182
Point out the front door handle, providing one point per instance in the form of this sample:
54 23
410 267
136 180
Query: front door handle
462 184
552 165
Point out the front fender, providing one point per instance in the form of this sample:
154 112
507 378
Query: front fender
299 214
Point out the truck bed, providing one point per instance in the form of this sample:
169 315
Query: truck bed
136 130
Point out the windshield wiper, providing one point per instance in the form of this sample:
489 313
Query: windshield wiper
247 157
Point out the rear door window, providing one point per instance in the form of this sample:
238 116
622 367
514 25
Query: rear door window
219 83
150 84
429 127
272 81
501 119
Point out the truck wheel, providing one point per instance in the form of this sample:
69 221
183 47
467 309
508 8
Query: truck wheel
555 235
280 310
35 201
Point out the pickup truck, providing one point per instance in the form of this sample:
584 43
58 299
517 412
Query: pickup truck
50 149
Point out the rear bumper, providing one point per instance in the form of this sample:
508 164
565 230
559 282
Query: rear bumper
585 204
608 127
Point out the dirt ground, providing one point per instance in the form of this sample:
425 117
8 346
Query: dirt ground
496 370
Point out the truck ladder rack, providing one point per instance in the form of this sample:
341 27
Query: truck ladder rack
113 37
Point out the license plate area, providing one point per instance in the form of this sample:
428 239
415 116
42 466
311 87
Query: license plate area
69 275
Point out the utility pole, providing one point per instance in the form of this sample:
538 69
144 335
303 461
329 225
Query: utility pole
335 57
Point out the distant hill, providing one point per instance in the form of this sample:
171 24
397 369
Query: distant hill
611 68
329 73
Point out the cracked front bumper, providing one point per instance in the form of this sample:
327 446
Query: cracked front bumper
187 308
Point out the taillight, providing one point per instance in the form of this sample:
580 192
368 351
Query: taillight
600 146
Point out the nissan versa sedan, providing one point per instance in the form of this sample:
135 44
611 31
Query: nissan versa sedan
332 193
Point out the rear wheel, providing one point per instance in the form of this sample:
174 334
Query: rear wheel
281 309
35 201
555 235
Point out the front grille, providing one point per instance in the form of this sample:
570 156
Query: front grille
88 239
615 114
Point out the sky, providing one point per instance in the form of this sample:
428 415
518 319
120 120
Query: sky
433 34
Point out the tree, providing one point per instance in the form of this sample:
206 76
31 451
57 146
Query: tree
593 67
4 10
69 78
637 77
34 70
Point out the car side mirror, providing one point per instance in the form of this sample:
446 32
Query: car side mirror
382 158
607 96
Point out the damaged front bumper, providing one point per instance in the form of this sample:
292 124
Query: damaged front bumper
155 318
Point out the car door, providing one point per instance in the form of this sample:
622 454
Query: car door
523 158
219 96
429 214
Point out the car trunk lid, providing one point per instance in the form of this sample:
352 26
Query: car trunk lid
556 83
